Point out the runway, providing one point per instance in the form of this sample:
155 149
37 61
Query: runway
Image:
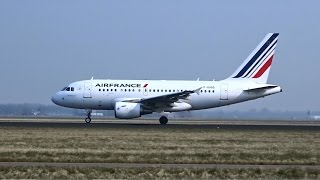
175 124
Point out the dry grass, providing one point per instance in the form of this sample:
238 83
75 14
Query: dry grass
153 173
159 145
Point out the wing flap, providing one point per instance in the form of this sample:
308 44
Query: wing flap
168 99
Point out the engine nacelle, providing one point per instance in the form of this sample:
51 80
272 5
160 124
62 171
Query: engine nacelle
127 110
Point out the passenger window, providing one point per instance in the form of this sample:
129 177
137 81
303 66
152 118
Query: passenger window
165 90
132 90
169 90
99 89
149 90
129 90
103 89
111 89
115 90
154 90
158 90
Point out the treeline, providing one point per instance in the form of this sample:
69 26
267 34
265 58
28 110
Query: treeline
36 110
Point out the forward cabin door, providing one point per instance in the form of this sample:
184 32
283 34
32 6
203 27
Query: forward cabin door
224 92
87 90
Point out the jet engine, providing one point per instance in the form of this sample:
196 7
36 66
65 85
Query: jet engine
127 110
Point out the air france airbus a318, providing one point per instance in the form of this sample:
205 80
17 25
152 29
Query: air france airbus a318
134 98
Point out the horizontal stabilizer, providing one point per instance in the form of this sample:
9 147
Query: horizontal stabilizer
260 88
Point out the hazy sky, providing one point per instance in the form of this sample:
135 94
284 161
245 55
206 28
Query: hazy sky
45 45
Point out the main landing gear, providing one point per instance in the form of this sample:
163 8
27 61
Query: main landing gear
88 118
163 120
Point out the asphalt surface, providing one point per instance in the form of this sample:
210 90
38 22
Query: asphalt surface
175 124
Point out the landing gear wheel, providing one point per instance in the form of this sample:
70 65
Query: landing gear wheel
88 120
163 120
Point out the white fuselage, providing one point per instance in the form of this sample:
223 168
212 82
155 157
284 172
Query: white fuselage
133 98
103 94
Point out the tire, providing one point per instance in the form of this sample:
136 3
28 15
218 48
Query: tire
87 120
163 120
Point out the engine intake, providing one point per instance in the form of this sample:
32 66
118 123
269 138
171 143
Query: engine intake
126 110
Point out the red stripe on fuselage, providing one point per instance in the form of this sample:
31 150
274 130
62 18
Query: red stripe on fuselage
264 68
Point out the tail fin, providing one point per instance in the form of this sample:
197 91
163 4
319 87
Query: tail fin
258 63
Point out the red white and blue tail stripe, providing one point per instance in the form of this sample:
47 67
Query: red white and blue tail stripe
258 63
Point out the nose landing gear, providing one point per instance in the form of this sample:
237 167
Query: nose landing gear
88 118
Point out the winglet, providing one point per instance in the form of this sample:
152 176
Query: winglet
197 90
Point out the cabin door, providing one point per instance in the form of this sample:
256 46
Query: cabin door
87 90
224 92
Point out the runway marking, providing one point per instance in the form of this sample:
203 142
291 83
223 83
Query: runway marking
166 166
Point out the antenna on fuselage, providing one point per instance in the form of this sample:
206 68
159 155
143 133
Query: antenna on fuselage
198 79
92 78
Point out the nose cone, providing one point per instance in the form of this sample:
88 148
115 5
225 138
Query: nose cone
56 99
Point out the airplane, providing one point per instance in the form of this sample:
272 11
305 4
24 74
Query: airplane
133 98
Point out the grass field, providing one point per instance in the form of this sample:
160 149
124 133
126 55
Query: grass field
144 144
153 173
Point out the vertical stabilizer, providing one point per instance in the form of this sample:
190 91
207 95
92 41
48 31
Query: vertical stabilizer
257 65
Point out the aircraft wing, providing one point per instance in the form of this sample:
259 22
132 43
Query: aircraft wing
164 100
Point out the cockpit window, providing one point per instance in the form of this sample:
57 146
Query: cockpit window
68 89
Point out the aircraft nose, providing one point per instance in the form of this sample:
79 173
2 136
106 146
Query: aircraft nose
56 99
